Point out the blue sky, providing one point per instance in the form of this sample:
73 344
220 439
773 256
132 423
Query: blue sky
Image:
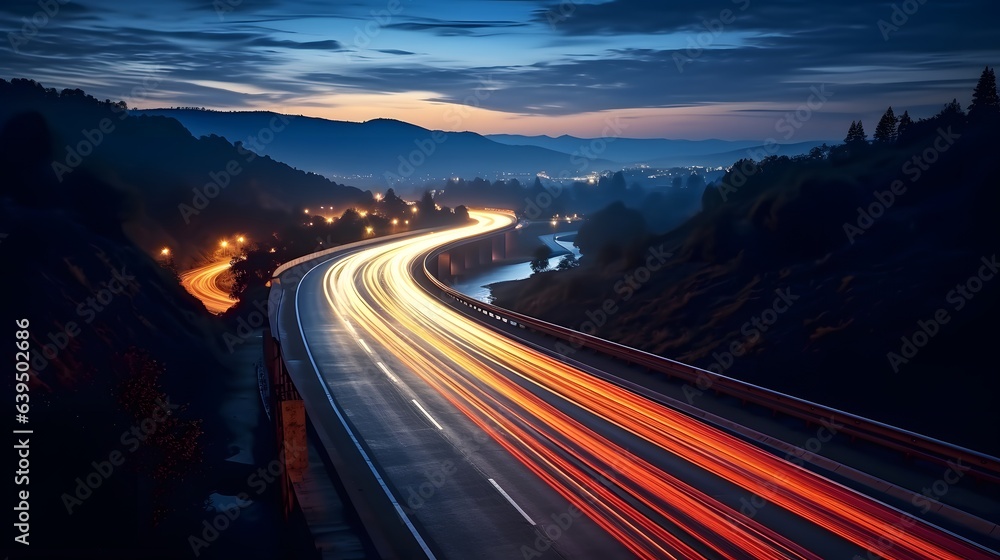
732 69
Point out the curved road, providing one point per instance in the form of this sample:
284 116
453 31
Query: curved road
203 283
499 450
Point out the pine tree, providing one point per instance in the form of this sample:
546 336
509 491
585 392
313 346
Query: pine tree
852 133
856 134
905 122
985 101
861 136
885 132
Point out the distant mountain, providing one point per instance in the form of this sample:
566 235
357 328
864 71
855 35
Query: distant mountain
376 153
655 152
725 159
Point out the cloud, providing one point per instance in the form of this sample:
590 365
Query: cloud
453 28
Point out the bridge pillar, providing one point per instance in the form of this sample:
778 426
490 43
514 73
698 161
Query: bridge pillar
457 262
471 256
444 266
485 252
499 245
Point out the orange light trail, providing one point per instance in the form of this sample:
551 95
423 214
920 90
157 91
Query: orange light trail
203 283
465 362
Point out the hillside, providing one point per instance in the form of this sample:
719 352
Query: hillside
175 190
814 277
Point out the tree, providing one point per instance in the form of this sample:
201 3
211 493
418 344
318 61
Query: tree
952 109
852 132
905 122
695 181
426 206
540 259
392 206
568 262
856 134
819 152
677 182
618 185
885 131
985 102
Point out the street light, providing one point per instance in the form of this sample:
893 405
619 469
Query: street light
165 251
370 230
240 239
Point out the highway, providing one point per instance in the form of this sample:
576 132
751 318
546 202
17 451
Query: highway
499 450
203 283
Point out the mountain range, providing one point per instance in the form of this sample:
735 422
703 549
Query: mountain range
381 153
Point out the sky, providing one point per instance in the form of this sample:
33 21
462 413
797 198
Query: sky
730 69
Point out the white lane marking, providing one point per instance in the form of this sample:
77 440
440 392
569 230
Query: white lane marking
387 372
429 417
354 438
365 346
511 500
349 326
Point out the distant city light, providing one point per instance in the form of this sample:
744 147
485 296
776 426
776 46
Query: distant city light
329 220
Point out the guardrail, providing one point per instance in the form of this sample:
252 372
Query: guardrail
910 443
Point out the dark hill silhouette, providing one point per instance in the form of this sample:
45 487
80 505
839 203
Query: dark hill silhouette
866 268
155 165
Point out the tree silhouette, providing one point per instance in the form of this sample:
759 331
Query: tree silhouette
568 262
905 122
856 134
392 206
985 102
426 206
695 181
540 258
885 131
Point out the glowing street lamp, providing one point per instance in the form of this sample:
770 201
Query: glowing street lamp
165 251
370 230
395 221
413 209
240 239
224 244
